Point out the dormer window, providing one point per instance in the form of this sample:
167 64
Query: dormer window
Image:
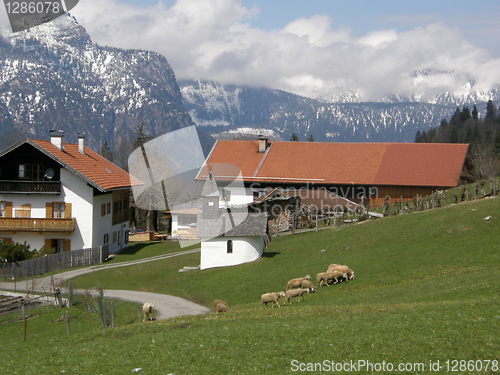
22 171
32 172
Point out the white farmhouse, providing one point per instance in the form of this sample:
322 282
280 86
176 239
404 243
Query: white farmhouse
230 234
62 196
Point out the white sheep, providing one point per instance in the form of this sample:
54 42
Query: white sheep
271 297
295 283
306 284
220 306
147 309
344 269
325 278
293 293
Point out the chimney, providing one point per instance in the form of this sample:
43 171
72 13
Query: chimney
56 138
81 142
262 144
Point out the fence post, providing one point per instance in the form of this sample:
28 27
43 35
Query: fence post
70 293
68 328
112 311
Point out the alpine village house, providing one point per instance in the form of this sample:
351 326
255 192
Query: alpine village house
62 196
365 174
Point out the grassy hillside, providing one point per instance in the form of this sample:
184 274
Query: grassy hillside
426 289
426 253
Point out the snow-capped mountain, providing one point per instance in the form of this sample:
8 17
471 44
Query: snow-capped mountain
234 111
54 77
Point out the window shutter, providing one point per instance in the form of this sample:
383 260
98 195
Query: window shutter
67 245
8 209
48 244
67 211
49 212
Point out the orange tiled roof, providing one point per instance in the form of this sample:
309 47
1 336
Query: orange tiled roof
92 167
400 164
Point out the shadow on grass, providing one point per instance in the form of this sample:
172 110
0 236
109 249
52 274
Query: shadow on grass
132 250
270 254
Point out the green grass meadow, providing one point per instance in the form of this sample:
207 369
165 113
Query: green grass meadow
426 289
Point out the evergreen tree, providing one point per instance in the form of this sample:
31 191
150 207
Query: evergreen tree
465 114
106 151
497 144
475 113
310 138
294 137
419 137
142 136
490 111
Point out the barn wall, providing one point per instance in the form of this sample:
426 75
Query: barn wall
397 192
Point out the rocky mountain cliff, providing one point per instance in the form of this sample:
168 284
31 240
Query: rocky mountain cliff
234 111
54 77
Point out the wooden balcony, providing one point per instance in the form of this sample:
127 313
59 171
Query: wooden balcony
30 187
8 224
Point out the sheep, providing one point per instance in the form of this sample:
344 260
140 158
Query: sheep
337 267
292 293
147 309
220 306
295 283
324 278
306 284
271 297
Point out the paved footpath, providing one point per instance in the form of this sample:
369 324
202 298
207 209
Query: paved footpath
167 306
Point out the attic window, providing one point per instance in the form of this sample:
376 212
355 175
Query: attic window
230 247
211 203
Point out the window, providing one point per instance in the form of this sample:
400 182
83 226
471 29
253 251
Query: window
22 171
59 245
24 212
126 237
58 210
115 237
108 208
103 209
106 239
230 247
33 172
3 206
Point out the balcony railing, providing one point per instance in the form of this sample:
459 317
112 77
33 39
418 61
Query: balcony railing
30 187
8 224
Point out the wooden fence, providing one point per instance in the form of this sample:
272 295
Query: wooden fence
322 220
51 263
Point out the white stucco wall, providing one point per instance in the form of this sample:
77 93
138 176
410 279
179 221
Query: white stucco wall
74 191
104 225
239 196
245 249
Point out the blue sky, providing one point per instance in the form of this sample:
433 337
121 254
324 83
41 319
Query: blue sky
477 20
362 49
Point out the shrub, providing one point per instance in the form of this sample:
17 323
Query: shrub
15 252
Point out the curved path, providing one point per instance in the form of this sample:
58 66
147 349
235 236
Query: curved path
167 306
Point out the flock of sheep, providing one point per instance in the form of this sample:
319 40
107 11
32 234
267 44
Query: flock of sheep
296 288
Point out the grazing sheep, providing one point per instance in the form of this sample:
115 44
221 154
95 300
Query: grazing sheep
306 284
337 267
292 293
325 278
147 309
271 297
295 283
220 306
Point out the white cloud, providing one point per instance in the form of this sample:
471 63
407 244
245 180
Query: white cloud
309 56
